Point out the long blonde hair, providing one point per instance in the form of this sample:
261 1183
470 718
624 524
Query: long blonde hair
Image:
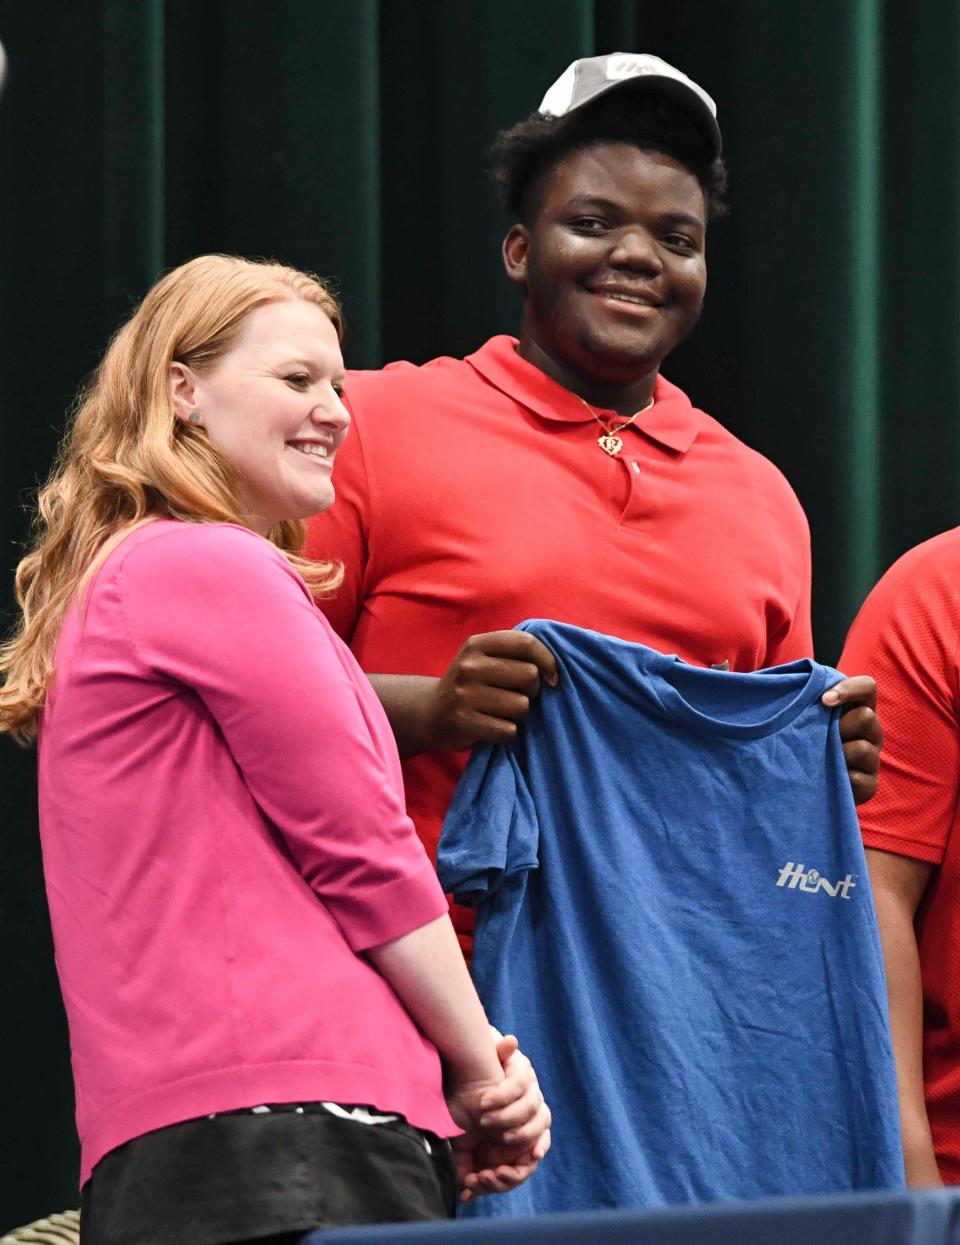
125 457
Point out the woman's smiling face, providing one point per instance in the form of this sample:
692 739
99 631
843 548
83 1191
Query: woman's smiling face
271 406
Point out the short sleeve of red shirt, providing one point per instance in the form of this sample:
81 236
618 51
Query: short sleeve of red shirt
906 637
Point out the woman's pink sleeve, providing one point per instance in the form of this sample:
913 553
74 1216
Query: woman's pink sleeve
218 610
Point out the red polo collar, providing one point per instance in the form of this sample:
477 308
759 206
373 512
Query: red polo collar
672 420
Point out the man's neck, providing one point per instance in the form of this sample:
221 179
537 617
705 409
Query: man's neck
626 398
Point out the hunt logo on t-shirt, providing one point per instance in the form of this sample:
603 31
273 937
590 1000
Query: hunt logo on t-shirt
798 876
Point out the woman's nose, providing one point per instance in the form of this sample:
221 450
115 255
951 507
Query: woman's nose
332 412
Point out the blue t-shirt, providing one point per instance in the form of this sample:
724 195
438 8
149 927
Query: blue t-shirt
673 915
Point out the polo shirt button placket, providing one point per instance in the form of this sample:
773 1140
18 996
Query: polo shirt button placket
636 502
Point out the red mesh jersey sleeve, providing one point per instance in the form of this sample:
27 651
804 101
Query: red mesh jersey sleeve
906 637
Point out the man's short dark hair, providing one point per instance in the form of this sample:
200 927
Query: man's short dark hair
525 153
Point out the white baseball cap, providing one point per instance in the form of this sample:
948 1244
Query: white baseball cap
587 79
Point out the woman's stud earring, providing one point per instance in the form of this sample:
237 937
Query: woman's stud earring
194 417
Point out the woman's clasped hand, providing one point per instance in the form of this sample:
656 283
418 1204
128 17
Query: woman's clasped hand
506 1126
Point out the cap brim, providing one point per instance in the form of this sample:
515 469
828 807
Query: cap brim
689 101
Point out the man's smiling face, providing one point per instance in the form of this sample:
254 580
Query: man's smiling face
613 262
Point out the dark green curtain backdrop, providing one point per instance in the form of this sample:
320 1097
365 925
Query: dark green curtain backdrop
350 136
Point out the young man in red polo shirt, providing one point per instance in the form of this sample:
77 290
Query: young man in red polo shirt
560 476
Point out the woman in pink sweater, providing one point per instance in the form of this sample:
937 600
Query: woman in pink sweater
272 1027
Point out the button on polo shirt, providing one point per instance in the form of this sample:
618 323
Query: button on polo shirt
472 493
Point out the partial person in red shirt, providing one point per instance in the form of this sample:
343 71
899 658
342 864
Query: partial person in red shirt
561 475
907 634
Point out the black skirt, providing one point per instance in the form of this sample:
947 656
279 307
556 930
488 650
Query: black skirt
247 1174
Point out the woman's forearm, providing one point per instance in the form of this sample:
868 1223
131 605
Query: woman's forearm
427 972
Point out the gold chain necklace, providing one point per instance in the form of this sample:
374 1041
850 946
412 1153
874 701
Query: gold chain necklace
611 442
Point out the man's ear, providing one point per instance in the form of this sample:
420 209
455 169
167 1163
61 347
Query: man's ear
516 246
183 391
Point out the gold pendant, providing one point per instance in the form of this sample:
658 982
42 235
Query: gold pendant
610 444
